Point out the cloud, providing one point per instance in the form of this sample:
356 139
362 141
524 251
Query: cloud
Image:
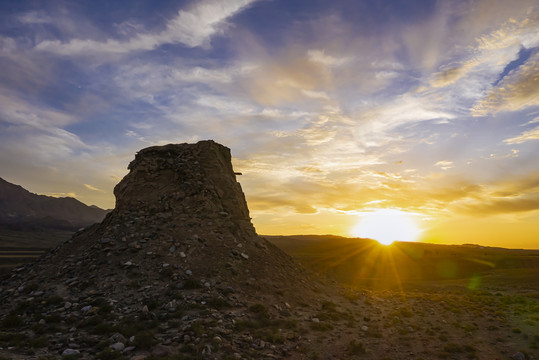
513 153
504 205
21 112
517 91
144 78
320 56
445 164
225 105
512 32
477 58
23 122
90 187
532 121
519 186
192 28
449 196
516 194
60 195
35 17
320 95
276 82
451 74
377 123
532 134
50 146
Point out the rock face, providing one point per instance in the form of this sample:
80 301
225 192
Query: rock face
186 183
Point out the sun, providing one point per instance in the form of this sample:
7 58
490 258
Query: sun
387 226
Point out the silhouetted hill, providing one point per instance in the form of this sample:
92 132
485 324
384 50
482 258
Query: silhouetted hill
23 210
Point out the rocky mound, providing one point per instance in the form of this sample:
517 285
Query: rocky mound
178 248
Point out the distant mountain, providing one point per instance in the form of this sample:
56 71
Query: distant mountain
23 210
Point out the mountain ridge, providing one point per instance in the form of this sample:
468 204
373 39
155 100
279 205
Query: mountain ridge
21 209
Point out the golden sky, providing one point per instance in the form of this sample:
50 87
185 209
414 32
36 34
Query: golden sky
332 109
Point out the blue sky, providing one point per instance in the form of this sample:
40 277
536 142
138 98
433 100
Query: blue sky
331 108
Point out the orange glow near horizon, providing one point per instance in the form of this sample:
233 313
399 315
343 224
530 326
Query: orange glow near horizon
387 226
514 232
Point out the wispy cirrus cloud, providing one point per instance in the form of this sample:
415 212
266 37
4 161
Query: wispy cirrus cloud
449 74
93 188
518 90
532 134
35 17
192 28
18 111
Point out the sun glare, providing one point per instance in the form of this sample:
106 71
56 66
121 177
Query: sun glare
387 226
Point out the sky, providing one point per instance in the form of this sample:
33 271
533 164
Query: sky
332 109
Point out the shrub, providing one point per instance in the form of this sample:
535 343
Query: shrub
11 321
53 319
246 324
152 304
356 348
196 328
105 310
144 340
39 329
12 339
329 306
93 321
217 303
321 326
191 283
70 357
259 309
374 332
54 300
271 335
39 342
103 329
23 306
166 273
453 348
109 354
403 312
